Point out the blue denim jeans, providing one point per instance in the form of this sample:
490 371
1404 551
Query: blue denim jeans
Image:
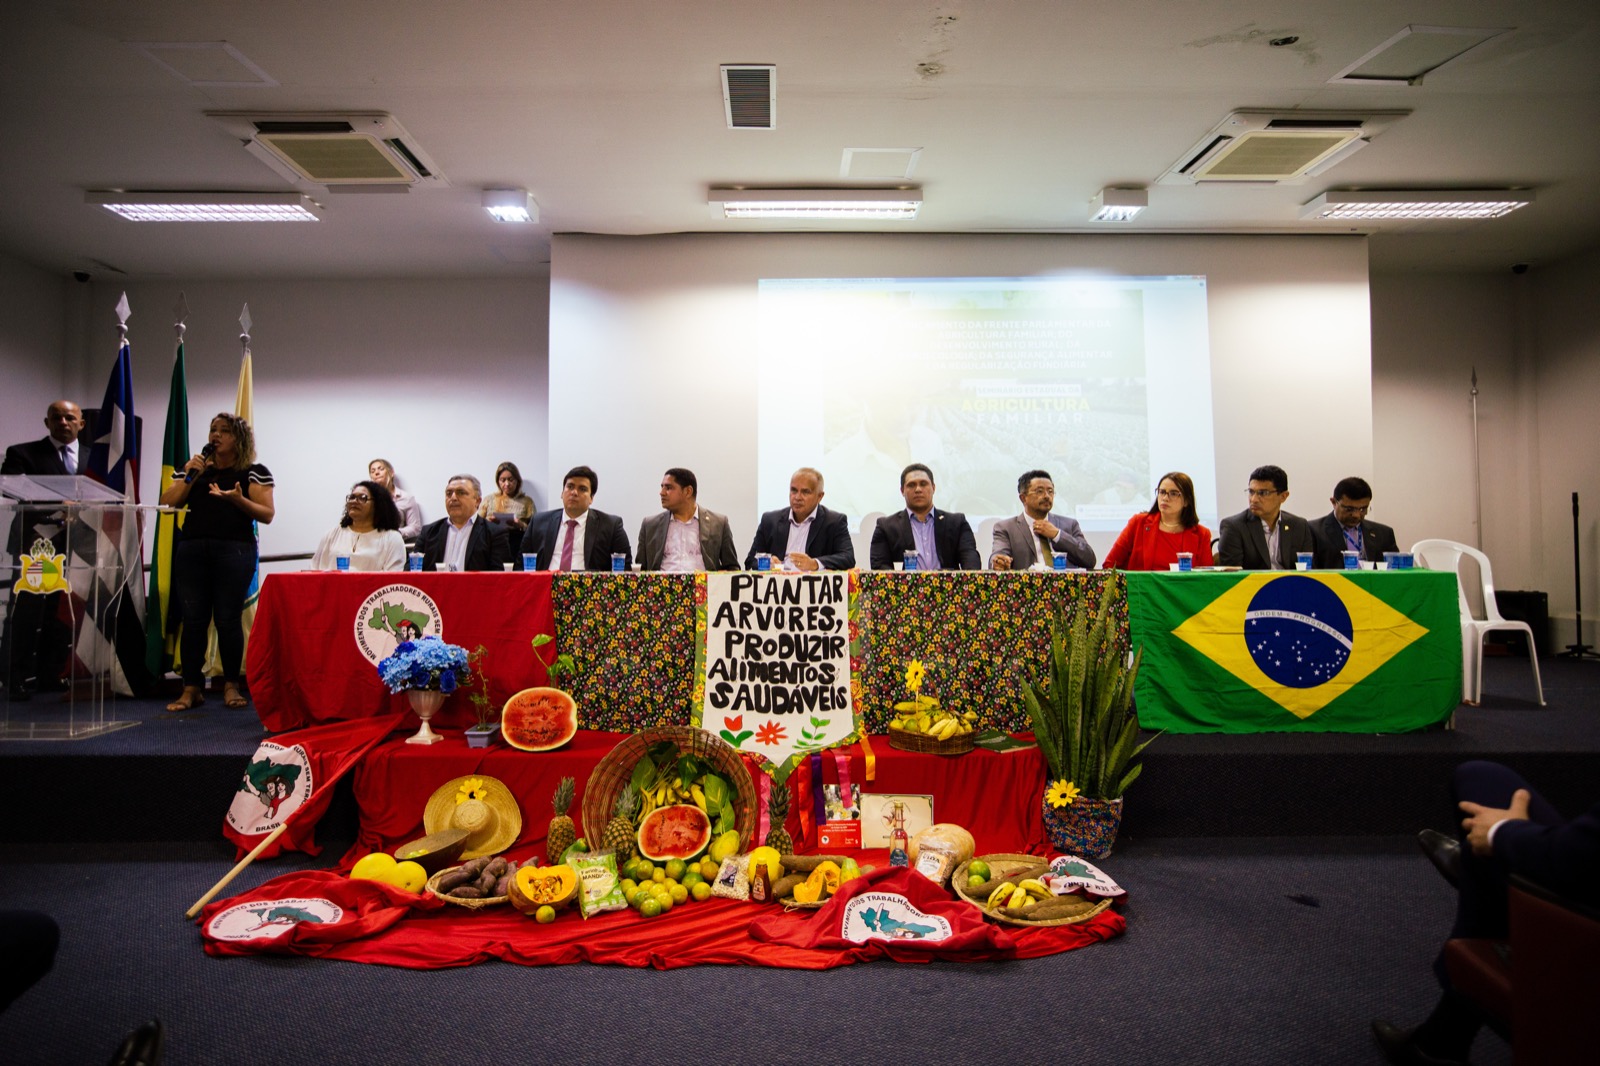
211 578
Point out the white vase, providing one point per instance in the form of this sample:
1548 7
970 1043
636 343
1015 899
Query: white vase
426 702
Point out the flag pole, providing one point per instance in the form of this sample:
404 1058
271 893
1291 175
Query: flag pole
1477 465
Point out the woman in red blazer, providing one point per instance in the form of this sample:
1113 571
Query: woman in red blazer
1152 541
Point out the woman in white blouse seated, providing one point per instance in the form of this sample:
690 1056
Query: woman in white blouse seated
369 532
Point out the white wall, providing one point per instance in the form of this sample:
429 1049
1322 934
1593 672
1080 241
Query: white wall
1568 387
653 349
33 317
440 377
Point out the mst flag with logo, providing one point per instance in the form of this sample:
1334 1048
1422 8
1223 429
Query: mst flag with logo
1315 651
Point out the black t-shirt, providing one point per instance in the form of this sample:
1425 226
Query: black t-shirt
212 516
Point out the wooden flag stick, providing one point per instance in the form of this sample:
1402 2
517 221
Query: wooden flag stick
231 874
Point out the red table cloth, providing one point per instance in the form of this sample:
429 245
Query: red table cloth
305 666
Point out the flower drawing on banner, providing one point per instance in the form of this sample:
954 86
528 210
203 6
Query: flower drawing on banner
473 788
769 733
1061 793
735 733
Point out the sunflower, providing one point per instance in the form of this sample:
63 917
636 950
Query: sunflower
1061 793
914 672
473 788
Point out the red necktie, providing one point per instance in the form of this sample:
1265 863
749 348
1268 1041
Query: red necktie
566 545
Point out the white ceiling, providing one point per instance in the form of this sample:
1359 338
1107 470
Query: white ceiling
610 113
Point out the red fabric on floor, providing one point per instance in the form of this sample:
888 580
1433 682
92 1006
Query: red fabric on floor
434 934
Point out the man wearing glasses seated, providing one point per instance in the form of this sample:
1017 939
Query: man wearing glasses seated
461 540
1264 536
1346 528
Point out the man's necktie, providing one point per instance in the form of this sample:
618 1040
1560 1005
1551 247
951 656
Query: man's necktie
66 460
566 545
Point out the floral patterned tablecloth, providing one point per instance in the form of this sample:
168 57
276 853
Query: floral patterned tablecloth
977 634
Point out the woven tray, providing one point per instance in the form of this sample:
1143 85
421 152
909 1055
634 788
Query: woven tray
1003 864
470 904
613 773
921 742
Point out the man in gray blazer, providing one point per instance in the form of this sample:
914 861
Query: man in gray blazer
685 536
1032 536
1264 536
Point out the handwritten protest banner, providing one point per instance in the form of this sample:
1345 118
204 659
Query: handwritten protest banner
772 670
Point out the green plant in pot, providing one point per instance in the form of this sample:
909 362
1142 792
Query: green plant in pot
1083 718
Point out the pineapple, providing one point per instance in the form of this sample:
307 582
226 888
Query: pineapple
562 832
619 834
778 807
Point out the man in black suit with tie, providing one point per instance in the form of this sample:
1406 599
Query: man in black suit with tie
805 535
36 642
576 536
1508 829
1264 536
461 540
1346 528
943 540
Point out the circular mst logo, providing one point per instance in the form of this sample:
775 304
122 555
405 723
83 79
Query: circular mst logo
393 614
270 919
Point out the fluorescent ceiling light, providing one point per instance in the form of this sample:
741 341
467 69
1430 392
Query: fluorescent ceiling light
510 205
1118 205
1437 204
834 204
208 206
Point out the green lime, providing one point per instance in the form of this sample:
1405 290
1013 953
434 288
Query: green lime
980 869
649 908
545 915
974 881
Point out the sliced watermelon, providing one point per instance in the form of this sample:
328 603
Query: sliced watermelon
539 719
681 831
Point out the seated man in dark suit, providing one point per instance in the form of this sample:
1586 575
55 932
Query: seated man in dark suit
1346 528
1264 536
805 535
1508 829
460 540
36 642
576 536
943 540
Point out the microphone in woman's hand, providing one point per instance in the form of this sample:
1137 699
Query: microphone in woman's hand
205 453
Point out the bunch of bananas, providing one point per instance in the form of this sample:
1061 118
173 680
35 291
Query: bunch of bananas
667 793
924 715
1021 895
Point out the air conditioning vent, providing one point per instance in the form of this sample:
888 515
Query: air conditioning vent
750 96
351 150
1276 147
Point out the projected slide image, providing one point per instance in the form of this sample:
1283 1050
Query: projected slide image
981 379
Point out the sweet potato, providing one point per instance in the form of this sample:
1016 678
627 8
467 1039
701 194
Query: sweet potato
453 879
466 892
983 891
1060 907
806 863
783 888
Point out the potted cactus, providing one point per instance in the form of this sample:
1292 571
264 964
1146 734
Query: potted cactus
1083 718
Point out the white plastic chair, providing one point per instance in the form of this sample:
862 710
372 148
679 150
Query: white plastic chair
1447 555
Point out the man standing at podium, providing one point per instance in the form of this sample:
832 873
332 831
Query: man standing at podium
36 641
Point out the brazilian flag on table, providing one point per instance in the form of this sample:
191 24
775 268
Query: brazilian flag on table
1315 651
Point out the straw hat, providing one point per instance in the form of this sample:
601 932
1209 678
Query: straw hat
481 805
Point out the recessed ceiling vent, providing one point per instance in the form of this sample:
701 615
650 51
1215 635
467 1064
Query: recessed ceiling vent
750 96
367 148
1276 148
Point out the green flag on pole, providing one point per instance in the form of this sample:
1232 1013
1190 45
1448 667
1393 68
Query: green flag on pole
161 625
1319 651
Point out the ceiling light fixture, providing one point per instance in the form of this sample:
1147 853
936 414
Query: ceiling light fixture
208 206
1411 205
510 205
1118 205
830 204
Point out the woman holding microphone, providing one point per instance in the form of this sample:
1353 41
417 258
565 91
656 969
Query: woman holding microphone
226 492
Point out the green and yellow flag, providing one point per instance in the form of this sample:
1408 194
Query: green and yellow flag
161 642
1318 651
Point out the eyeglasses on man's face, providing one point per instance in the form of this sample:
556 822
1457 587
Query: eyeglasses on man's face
1261 494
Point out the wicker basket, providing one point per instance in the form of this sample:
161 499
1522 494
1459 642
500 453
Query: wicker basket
1004 864
470 904
959 744
613 773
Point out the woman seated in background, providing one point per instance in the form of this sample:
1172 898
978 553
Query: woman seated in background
509 506
369 532
1152 540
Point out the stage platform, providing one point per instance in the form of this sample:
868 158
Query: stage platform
170 778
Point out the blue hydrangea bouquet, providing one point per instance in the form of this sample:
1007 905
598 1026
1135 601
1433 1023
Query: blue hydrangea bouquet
425 663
